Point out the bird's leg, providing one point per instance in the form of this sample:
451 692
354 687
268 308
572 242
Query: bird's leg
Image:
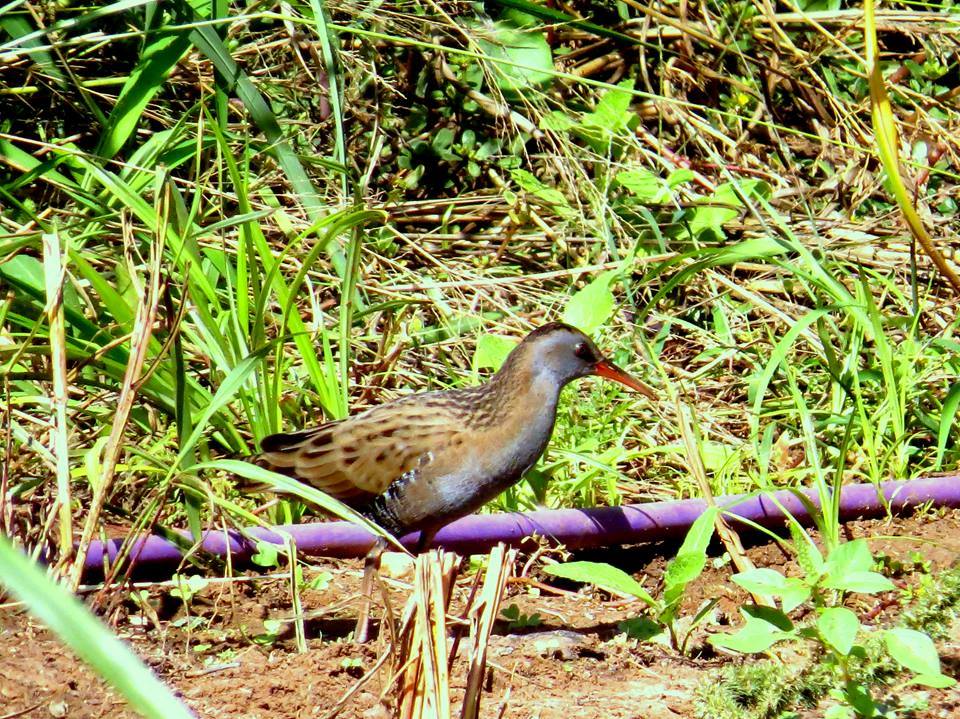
371 567
423 541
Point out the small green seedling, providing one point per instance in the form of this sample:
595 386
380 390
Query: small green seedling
517 620
683 569
836 629
266 554
317 583
271 631
187 586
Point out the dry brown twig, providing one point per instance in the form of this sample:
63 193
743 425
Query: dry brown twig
483 613
139 344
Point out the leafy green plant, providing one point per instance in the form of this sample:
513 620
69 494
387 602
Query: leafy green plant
592 305
267 554
605 128
934 603
766 689
518 620
317 583
520 59
271 632
663 611
836 630
186 586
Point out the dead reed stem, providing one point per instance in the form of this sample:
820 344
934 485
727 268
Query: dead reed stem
424 690
483 613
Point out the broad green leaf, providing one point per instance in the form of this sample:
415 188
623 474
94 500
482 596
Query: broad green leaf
761 581
528 55
770 615
602 575
690 559
863 582
700 533
552 16
728 192
557 121
678 177
529 182
613 113
267 554
838 626
682 570
723 206
712 218
757 634
644 185
853 556
839 711
592 305
491 351
611 118
642 628
913 650
857 693
188 585
794 594
935 681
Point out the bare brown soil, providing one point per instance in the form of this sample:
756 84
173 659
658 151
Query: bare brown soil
574 663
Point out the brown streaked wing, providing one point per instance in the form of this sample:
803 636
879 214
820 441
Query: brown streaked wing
360 456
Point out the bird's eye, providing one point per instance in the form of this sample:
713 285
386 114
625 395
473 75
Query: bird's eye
583 351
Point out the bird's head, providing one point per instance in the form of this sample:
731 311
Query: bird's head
565 354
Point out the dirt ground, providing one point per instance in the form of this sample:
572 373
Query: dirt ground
573 663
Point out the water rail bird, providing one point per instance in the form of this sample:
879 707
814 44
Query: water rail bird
421 461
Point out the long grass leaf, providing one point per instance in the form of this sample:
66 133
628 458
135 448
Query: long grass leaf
210 44
948 421
156 61
84 634
888 146
777 356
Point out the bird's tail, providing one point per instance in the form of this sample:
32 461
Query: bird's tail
249 485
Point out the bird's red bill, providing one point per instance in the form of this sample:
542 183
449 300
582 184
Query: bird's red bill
608 370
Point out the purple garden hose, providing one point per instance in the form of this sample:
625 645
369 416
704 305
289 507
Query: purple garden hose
574 528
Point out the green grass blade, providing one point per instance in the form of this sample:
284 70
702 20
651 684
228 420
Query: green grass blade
73 623
286 485
948 417
16 26
209 43
778 356
332 66
157 60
